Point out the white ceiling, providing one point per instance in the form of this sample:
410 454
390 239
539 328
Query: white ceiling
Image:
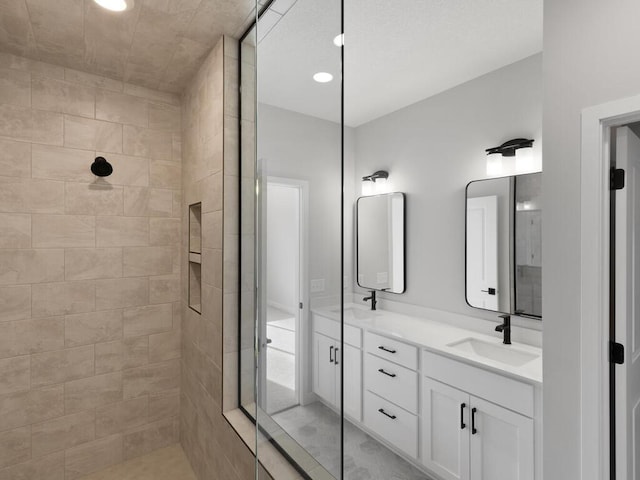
397 52
157 44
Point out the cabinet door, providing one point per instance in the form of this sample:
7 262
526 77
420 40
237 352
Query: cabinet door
324 370
352 358
502 447
445 430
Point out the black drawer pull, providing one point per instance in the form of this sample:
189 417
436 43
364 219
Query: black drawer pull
331 354
381 410
388 350
462 424
381 370
473 421
335 357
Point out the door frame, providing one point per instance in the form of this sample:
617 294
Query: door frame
597 122
303 330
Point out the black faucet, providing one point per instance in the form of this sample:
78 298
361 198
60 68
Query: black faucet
506 328
371 297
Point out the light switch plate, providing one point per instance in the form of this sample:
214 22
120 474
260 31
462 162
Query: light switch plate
317 285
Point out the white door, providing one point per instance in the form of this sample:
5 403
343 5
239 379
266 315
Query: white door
445 430
501 443
482 252
324 368
352 359
627 263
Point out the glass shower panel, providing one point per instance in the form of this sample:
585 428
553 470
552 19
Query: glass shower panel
298 269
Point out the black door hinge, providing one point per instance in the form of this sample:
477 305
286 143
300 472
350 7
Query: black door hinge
617 179
616 353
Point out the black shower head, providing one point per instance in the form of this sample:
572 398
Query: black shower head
101 167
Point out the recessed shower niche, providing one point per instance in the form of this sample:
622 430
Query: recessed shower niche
195 256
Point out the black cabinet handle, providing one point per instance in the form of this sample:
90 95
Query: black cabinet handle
473 421
331 354
335 357
381 410
462 424
392 375
388 350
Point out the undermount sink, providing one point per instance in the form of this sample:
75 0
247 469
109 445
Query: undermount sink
356 313
506 354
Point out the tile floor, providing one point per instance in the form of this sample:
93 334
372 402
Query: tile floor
168 463
317 429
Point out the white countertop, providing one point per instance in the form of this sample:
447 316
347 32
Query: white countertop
436 337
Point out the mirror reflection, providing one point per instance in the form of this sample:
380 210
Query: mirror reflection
503 245
380 242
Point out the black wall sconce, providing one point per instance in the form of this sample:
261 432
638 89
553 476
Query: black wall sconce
508 149
380 174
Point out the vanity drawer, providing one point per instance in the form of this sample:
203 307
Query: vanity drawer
331 328
393 350
392 382
395 425
281 339
501 390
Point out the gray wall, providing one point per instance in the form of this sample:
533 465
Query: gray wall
432 149
588 60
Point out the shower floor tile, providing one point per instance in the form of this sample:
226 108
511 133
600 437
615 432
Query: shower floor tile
168 463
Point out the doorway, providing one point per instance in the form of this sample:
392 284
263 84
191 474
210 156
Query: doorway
611 284
284 246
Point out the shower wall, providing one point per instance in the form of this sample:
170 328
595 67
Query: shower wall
89 271
210 340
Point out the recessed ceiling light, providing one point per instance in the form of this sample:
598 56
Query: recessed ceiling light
323 77
115 5
338 41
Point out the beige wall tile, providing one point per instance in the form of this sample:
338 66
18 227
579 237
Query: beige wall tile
145 142
154 95
50 467
15 87
31 406
88 134
164 346
151 378
15 230
108 357
165 175
59 163
93 199
135 351
62 433
47 128
122 231
93 456
31 336
164 231
61 366
212 267
145 439
128 170
92 327
14 374
15 158
148 202
164 404
16 122
91 80
212 230
119 293
63 97
15 446
37 196
15 303
164 117
8 60
163 289
212 193
93 263
91 392
31 266
148 320
122 108
50 299
49 231
117 417
141 261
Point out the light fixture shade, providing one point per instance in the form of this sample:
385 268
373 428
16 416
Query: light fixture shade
115 5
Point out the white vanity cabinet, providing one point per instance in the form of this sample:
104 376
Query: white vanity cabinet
328 357
466 437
